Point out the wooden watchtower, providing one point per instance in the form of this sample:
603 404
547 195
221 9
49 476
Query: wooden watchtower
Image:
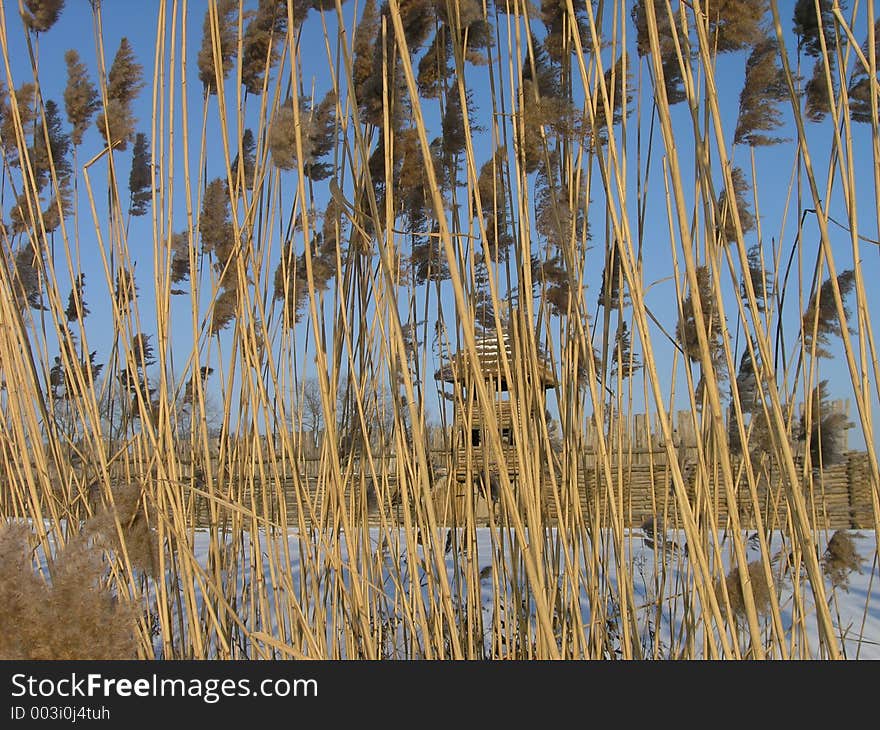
471 451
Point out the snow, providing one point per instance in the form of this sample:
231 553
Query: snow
398 578
276 587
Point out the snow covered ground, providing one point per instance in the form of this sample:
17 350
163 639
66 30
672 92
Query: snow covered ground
662 588
281 588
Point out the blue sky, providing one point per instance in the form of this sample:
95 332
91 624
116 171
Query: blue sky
138 22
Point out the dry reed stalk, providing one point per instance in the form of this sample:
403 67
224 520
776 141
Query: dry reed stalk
346 310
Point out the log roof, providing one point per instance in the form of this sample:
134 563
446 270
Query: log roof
490 363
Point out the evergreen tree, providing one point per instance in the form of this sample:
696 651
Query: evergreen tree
859 93
557 21
126 289
617 86
495 200
810 26
625 361
246 157
673 80
412 191
860 84
26 275
140 179
428 261
751 404
686 331
180 267
454 138
725 220
559 218
77 310
544 105
51 149
612 277
554 280
821 313
818 101
762 280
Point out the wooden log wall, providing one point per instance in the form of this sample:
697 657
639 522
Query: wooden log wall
839 497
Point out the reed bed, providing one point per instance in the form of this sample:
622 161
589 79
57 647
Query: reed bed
238 254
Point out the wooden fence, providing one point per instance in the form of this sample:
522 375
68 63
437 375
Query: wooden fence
838 497
841 495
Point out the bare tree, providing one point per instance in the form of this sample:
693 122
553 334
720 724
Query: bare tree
312 409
